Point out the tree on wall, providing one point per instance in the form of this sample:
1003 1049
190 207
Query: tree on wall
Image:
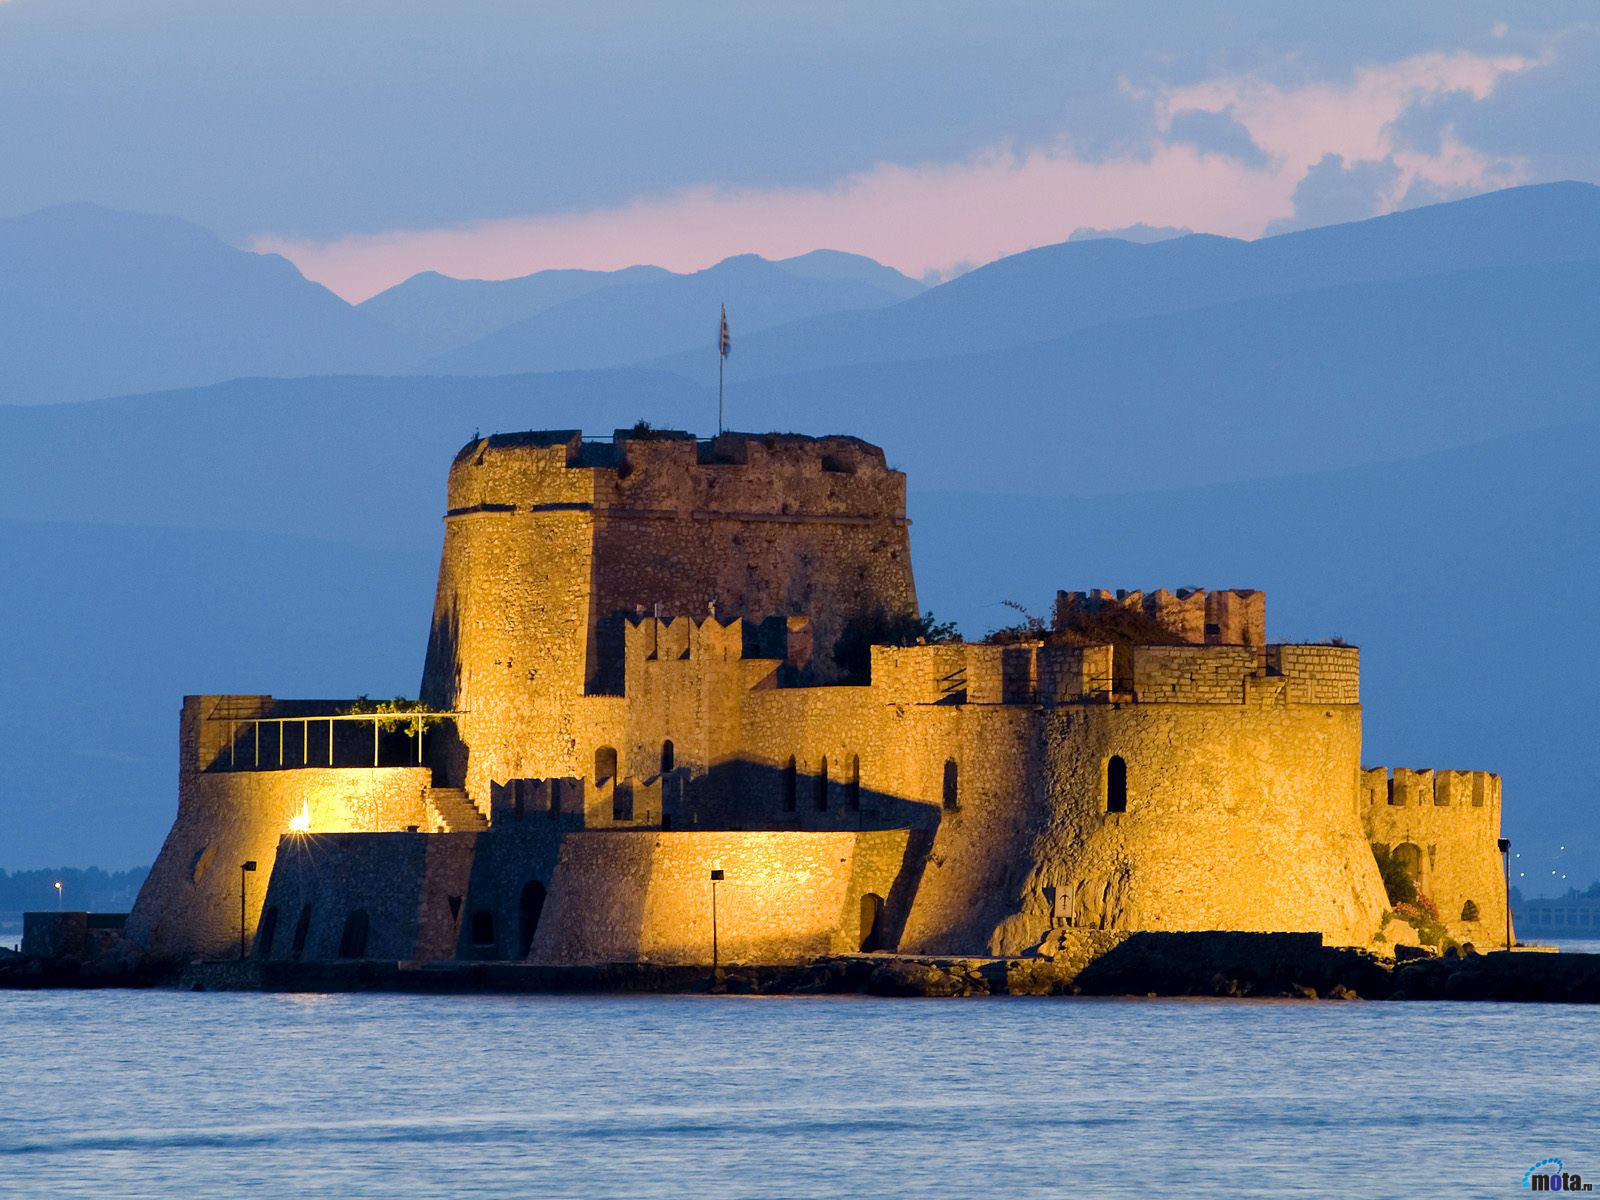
1398 881
853 650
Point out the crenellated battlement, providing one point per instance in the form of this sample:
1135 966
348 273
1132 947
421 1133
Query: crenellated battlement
652 639
1402 787
668 473
1041 673
1225 617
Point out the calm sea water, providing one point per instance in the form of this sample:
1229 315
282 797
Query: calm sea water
166 1093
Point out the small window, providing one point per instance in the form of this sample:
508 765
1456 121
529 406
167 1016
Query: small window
482 928
952 785
1116 784
668 757
822 785
353 941
605 764
1469 911
790 785
853 788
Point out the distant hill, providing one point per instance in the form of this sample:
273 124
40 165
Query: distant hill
1048 292
358 458
627 324
436 313
1247 390
1244 390
96 303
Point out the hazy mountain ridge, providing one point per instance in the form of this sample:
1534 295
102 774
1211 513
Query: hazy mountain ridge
1048 292
618 326
437 312
97 302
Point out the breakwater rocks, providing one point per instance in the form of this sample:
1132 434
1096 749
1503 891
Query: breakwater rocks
1070 963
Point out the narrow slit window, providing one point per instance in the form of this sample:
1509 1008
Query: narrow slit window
1116 784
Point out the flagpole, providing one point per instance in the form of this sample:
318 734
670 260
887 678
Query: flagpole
722 358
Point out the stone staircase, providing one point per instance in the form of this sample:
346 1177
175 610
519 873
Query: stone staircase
450 811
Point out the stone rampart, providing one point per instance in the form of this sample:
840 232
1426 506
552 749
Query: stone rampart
784 897
189 904
336 896
1444 826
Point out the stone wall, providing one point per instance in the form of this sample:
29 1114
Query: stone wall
1452 818
189 904
646 896
1236 817
409 889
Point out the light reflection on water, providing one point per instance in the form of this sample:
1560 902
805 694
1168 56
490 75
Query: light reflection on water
152 1093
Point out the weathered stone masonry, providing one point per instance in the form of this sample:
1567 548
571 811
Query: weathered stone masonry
634 639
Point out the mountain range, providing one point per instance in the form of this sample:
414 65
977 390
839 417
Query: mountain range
1390 425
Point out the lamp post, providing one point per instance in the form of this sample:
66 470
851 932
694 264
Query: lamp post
244 869
716 878
58 895
1505 870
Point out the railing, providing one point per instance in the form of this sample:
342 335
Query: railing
417 722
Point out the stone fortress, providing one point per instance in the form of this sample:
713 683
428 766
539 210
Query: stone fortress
632 711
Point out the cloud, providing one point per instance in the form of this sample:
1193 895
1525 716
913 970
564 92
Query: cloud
1233 155
1216 132
1331 193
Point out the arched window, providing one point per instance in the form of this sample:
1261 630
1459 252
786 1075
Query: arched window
482 927
528 910
353 941
1469 911
605 764
853 788
302 929
822 785
952 785
1116 784
668 756
790 784
266 930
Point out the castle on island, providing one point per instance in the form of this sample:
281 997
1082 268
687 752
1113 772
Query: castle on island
653 683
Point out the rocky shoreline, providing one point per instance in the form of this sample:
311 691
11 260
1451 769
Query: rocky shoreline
1235 965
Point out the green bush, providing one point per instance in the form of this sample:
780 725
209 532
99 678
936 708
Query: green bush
1397 881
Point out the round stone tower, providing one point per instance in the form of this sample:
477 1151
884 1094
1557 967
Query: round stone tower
551 542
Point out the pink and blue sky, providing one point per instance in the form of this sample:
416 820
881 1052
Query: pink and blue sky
367 141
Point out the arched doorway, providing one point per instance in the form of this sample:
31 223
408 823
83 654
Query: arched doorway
353 942
528 910
871 922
